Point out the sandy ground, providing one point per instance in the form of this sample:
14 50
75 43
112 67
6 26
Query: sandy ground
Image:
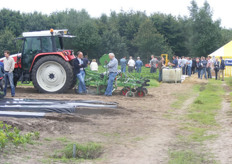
137 132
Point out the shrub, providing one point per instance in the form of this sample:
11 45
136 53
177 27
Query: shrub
8 134
89 150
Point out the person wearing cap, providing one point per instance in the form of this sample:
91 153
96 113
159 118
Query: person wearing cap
113 69
138 65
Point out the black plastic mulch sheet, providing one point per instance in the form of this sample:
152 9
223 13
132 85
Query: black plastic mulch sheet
57 106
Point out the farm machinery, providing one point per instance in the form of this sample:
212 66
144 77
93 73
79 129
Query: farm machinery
44 61
131 85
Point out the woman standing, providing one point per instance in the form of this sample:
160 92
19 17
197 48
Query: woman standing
216 67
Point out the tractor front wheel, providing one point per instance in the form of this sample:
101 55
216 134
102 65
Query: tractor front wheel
52 74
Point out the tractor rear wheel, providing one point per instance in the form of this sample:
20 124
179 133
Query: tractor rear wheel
52 74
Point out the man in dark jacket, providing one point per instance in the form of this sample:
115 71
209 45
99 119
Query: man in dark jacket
198 67
86 61
222 68
194 64
79 70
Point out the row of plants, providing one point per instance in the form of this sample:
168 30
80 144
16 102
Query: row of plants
12 135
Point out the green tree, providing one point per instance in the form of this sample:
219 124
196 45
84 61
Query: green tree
112 42
172 29
12 20
7 41
205 33
37 22
150 41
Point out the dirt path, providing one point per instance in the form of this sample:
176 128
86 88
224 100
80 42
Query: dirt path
135 133
222 146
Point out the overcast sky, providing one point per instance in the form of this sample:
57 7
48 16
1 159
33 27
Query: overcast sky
222 8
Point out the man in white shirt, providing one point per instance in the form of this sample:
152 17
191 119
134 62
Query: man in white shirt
9 65
131 64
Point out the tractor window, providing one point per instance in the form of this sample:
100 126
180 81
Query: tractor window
58 43
46 44
32 46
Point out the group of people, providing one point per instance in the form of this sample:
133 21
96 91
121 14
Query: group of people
201 65
80 63
132 65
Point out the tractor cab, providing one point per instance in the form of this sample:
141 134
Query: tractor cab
41 42
44 61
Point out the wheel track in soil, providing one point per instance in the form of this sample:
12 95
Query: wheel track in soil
221 147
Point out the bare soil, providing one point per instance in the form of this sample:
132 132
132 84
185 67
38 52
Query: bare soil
221 147
135 133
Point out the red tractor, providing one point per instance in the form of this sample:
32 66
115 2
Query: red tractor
44 61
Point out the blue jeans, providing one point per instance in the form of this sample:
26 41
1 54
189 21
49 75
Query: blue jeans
10 77
138 69
189 71
183 70
209 72
160 75
109 88
203 71
199 73
81 85
123 69
153 70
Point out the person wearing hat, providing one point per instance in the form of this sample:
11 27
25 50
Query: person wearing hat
138 65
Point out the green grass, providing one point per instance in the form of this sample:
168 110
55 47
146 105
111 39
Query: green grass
20 84
90 150
199 119
62 139
153 83
228 81
47 139
188 157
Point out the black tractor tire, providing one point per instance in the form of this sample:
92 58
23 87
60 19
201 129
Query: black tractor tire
74 75
56 60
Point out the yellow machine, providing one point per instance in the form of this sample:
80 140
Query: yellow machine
165 56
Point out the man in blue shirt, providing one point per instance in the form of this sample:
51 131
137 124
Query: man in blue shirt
189 63
113 69
174 63
123 64
138 65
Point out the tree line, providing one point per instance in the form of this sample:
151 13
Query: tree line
132 33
